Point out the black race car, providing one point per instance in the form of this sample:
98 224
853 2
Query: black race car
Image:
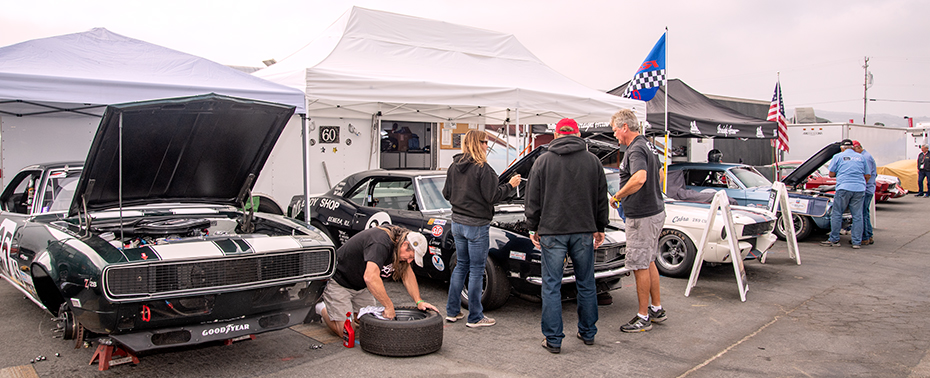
413 199
149 242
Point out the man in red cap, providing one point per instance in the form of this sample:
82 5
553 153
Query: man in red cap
566 213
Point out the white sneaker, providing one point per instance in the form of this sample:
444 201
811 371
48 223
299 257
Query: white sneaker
484 322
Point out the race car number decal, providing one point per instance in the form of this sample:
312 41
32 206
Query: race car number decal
378 219
7 230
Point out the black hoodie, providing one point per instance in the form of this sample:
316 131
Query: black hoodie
473 190
567 190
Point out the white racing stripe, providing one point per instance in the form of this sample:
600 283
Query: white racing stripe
272 244
187 250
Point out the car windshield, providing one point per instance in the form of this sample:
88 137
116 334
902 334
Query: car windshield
431 193
750 177
60 191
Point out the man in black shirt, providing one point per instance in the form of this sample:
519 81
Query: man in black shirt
641 196
362 262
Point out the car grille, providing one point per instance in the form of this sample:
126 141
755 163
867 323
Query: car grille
603 255
165 278
757 229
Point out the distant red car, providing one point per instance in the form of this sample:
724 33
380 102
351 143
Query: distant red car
886 187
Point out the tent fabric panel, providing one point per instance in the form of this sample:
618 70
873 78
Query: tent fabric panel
383 57
692 114
102 67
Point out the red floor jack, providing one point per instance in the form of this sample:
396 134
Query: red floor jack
109 354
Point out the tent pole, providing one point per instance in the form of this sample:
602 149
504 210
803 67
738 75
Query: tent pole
305 141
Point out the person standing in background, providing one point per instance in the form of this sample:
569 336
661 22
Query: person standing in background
872 170
923 171
566 213
472 189
641 196
851 175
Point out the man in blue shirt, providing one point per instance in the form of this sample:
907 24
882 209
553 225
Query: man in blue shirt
872 170
851 174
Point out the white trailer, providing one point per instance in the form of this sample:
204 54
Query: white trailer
886 144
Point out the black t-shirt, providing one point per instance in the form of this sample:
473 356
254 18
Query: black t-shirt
352 258
647 201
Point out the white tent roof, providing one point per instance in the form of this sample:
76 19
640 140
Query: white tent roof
99 67
371 60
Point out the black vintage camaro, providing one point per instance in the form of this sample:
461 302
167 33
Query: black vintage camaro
413 199
149 241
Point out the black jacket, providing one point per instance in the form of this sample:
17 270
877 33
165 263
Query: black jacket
473 190
567 190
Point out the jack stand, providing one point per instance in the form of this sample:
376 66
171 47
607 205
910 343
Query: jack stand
106 352
228 342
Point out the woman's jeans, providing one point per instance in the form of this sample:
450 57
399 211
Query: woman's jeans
471 249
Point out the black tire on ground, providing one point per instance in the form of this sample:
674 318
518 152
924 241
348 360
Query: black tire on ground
411 333
803 225
676 254
328 234
495 288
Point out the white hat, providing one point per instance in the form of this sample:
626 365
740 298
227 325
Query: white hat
418 243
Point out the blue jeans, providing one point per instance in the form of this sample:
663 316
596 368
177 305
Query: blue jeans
471 249
841 201
866 216
580 247
921 175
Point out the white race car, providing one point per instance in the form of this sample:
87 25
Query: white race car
684 226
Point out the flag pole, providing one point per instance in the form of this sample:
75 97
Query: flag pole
665 169
777 126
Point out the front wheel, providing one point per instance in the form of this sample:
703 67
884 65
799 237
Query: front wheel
495 288
676 254
802 226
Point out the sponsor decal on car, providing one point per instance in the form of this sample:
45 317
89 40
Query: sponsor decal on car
225 329
433 221
338 221
435 251
437 263
329 204
437 231
518 255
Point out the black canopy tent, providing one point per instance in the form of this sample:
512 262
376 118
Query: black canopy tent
691 114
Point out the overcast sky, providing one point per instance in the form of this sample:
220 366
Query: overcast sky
730 48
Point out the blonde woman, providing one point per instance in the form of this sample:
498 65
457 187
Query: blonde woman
472 189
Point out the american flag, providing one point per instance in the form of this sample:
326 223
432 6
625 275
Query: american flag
777 114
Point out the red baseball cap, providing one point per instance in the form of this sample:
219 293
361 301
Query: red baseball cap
566 122
857 144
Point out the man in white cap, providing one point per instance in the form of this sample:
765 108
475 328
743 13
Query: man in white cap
362 262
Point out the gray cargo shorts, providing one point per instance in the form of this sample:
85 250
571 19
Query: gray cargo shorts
642 240
340 300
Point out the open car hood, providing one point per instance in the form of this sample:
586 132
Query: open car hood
202 149
803 171
603 150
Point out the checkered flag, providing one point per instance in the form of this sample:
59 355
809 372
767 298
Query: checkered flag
650 76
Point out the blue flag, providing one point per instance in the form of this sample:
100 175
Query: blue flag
650 76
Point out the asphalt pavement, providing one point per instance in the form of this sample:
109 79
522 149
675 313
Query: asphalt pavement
841 313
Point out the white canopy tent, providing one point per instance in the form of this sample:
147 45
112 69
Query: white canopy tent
370 61
99 67
370 65
52 90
